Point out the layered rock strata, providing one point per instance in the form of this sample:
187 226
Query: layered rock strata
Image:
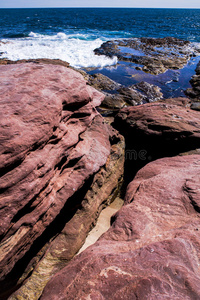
152 249
59 163
162 129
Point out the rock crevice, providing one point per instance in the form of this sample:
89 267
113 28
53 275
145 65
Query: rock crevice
62 163
50 155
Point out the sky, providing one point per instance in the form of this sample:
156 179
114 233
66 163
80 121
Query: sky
100 3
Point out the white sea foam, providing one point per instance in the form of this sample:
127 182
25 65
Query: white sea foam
33 34
77 49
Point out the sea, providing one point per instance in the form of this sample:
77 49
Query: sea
71 34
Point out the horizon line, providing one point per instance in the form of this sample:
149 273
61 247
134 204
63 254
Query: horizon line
100 7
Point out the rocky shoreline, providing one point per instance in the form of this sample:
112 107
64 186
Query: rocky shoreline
167 63
155 55
71 142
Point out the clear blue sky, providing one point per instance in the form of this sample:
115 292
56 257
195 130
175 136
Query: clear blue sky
100 3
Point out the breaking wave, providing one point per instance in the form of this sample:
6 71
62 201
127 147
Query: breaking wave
77 49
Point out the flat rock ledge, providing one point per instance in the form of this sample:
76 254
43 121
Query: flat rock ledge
60 164
152 249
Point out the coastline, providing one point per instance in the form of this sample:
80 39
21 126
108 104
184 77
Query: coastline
160 128
99 165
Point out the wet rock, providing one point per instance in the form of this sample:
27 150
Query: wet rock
167 41
190 93
113 101
195 106
102 82
59 163
156 55
137 94
152 249
117 96
152 93
194 92
131 95
197 70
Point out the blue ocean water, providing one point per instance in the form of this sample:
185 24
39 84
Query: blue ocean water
71 34
106 22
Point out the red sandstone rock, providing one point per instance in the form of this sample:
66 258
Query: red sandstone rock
152 249
52 142
78 217
162 129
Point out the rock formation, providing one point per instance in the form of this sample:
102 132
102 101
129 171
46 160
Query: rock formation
161 128
59 165
117 95
152 249
155 55
194 91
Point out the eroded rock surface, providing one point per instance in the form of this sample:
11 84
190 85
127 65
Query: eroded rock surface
140 93
152 249
59 162
154 55
161 128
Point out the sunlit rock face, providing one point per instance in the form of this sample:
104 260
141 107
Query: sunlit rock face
152 249
54 147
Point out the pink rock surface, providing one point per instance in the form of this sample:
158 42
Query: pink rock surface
52 141
76 220
152 249
162 128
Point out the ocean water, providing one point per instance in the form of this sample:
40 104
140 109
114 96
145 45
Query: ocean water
71 34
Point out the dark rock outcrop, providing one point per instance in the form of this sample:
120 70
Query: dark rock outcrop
152 249
102 82
113 99
155 55
59 163
195 106
151 93
194 92
117 96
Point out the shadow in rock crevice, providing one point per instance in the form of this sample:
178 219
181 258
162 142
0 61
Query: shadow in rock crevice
141 148
10 283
